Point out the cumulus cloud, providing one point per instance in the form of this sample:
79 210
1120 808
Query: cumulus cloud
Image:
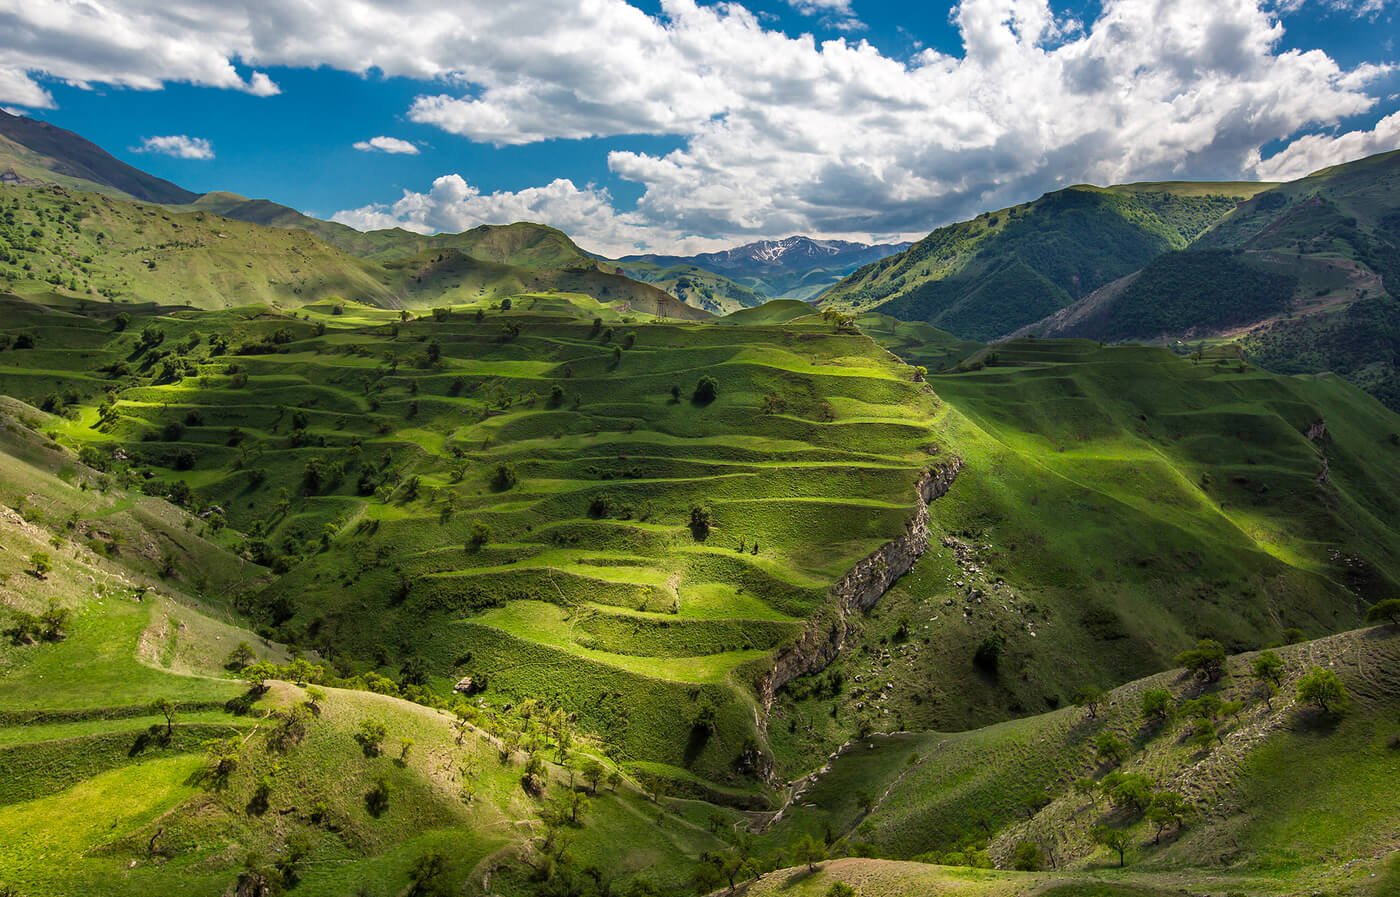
778 134
1315 151
386 145
177 145
16 86
454 205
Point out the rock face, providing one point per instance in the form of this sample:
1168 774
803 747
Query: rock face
857 591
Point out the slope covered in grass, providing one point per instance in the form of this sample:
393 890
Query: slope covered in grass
511 494
1116 504
983 278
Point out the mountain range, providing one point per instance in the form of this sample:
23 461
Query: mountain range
337 562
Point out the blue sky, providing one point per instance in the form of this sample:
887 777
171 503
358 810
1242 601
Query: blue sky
695 126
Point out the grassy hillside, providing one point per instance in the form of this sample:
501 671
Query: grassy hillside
695 286
1303 276
100 792
983 278
413 436
521 244
1276 793
82 245
38 150
1115 505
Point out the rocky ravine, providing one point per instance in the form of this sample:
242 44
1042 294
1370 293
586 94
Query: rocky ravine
858 591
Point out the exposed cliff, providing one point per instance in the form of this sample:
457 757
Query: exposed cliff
859 589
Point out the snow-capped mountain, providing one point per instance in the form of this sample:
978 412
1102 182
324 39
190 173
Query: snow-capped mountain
790 255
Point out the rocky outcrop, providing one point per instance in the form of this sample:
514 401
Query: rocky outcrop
857 591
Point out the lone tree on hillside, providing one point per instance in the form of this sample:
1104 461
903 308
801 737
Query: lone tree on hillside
166 708
1267 666
41 565
55 620
809 851
700 521
1168 808
1205 661
1114 840
1323 688
706 390
1090 697
1387 611
1158 704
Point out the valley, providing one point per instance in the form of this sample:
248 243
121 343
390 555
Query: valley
1054 554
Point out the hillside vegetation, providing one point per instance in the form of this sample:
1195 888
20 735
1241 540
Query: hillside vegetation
1303 276
83 245
983 278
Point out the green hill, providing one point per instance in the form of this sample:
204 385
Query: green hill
84 245
983 278
694 286
38 151
1302 276
510 496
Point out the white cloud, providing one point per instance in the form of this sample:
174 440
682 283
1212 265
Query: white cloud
177 145
16 86
777 134
1316 151
834 13
386 145
587 213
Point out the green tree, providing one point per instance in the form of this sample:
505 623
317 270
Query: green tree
1267 666
700 521
706 390
593 773
809 851
1089 697
1324 688
1110 747
40 564
1206 660
1158 704
241 656
1028 857
1167 809
166 708
371 735
481 534
54 621
1114 839
1387 611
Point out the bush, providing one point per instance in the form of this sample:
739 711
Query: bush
1028 857
1387 611
700 521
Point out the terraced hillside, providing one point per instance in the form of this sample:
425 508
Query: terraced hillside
1115 505
135 758
510 495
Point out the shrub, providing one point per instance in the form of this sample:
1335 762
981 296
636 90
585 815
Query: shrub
370 736
700 521
1028 857
987 657
1158 704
